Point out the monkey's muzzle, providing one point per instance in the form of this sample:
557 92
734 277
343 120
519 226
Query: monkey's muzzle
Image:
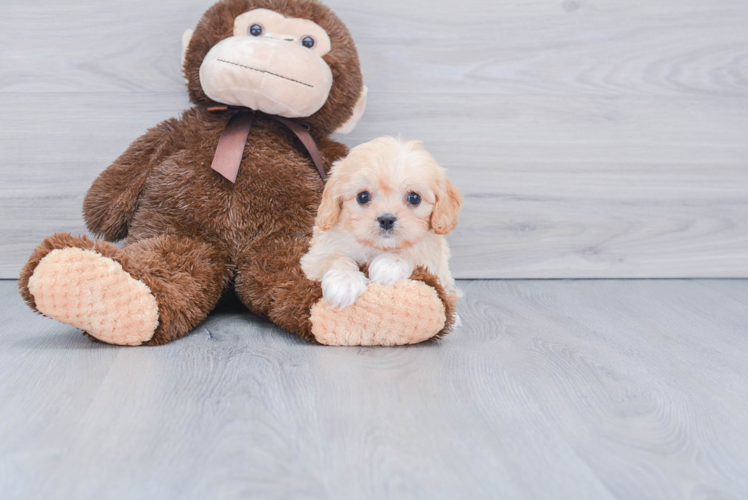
273 76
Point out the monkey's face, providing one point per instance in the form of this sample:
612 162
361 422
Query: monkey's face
290 58
272 64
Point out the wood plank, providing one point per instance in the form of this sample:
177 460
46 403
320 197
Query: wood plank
551 389
592 139
572 47
555 186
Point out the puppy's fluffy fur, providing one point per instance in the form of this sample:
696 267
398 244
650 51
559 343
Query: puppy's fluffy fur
350 232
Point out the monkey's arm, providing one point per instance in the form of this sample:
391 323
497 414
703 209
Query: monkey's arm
331 151
112 199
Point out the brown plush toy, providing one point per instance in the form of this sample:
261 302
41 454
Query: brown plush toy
201 217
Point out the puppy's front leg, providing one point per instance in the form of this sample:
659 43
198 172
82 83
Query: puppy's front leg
343 282
388 269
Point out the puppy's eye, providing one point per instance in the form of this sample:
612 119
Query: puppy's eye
363 198
255 30
414 199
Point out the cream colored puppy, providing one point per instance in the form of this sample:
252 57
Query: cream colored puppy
387 204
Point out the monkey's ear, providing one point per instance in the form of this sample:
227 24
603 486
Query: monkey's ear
358 112
186 38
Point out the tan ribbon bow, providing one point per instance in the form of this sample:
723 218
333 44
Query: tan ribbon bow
228 157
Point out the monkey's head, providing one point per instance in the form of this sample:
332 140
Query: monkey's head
292 58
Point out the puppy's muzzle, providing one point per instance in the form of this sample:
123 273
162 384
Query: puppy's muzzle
387 222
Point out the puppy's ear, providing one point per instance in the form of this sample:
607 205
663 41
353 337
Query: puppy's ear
448 203
330 207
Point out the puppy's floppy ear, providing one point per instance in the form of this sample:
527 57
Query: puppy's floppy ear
448 203
331 205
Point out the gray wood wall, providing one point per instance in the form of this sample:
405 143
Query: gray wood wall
591 138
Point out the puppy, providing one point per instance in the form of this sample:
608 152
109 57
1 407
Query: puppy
387 204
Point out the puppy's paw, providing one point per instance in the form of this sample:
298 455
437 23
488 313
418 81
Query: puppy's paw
342 287
388 269
457 323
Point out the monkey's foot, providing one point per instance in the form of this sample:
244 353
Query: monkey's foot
407 312
89 291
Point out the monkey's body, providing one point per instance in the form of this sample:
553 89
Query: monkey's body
274 194
191 234
259 226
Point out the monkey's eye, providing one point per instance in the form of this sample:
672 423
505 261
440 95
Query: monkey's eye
308 42
414 199
363 198
255 30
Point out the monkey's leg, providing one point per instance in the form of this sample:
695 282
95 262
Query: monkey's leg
408 312
150 292
271 283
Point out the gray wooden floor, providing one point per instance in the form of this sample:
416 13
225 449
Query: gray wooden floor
552 389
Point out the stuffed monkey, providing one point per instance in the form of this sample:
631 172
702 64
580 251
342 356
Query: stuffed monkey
201 216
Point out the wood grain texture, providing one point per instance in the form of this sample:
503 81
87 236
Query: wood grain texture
615 47
552 389
592 139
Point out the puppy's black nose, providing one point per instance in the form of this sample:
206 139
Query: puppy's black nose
386 221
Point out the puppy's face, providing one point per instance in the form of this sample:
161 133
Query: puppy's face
389 194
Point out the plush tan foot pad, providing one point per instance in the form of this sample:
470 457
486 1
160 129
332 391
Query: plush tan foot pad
408 312
89 291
